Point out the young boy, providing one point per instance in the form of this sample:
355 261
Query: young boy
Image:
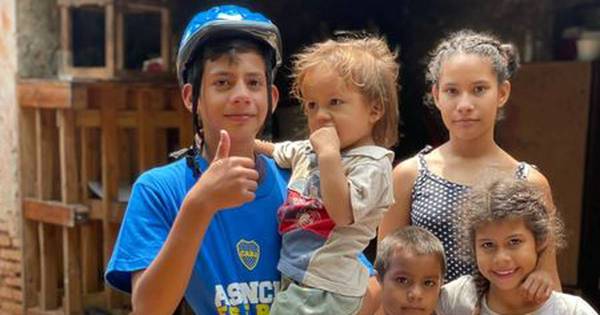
411 265
186 231
341 176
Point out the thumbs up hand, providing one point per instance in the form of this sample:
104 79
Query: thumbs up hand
229 181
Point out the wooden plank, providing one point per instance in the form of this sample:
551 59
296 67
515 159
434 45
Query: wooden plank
70 194
38 311
28 147
51 94
78 3
49 266
90 265
130 119
96 299
88 72
53 212
91 258
119 40
68 156
66 28
109 41
110 100
45 159
72 271
116 214
145 131
141 7
165 38
31 263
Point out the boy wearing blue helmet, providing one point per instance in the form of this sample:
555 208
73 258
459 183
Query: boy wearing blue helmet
208 230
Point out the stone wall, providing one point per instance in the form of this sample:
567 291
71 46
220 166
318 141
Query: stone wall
11 295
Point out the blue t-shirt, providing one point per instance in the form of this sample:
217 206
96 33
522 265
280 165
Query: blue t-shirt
236 268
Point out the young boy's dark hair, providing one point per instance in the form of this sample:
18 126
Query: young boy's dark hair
410 238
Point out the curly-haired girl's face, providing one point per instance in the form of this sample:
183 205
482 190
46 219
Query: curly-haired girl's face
506 253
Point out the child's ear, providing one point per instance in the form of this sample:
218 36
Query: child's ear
503 93
376 113
379 278
186 96
435 94
274 97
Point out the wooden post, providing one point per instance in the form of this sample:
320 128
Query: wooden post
31 249
111 99
70 194
110 39
165 38
48 238
146 131
90 265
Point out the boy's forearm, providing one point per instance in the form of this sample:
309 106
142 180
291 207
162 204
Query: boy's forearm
264 147
334 189
160 287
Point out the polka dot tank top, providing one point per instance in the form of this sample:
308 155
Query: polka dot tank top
434 207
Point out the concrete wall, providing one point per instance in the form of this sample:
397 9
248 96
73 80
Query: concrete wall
10 255
38 38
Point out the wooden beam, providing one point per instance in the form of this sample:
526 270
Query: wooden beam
45 153
90 233
66 31
49 242
55 213
31 263
90 118
70 194
109 39
111 99
90 265
165 38
145 130
51 94
78 3
38 311
116 214
69 171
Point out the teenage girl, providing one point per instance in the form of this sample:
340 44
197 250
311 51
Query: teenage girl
469 75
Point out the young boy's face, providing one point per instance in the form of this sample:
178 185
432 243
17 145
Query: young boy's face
412 283
330 102
234 97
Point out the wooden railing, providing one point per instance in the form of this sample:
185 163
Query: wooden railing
74 134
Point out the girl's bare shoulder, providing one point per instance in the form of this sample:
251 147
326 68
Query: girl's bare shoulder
407 169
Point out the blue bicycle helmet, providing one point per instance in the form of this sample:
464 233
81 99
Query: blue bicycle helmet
227 21
222 22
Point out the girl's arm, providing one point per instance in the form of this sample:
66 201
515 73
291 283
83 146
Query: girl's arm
540 283
398 215
228 182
